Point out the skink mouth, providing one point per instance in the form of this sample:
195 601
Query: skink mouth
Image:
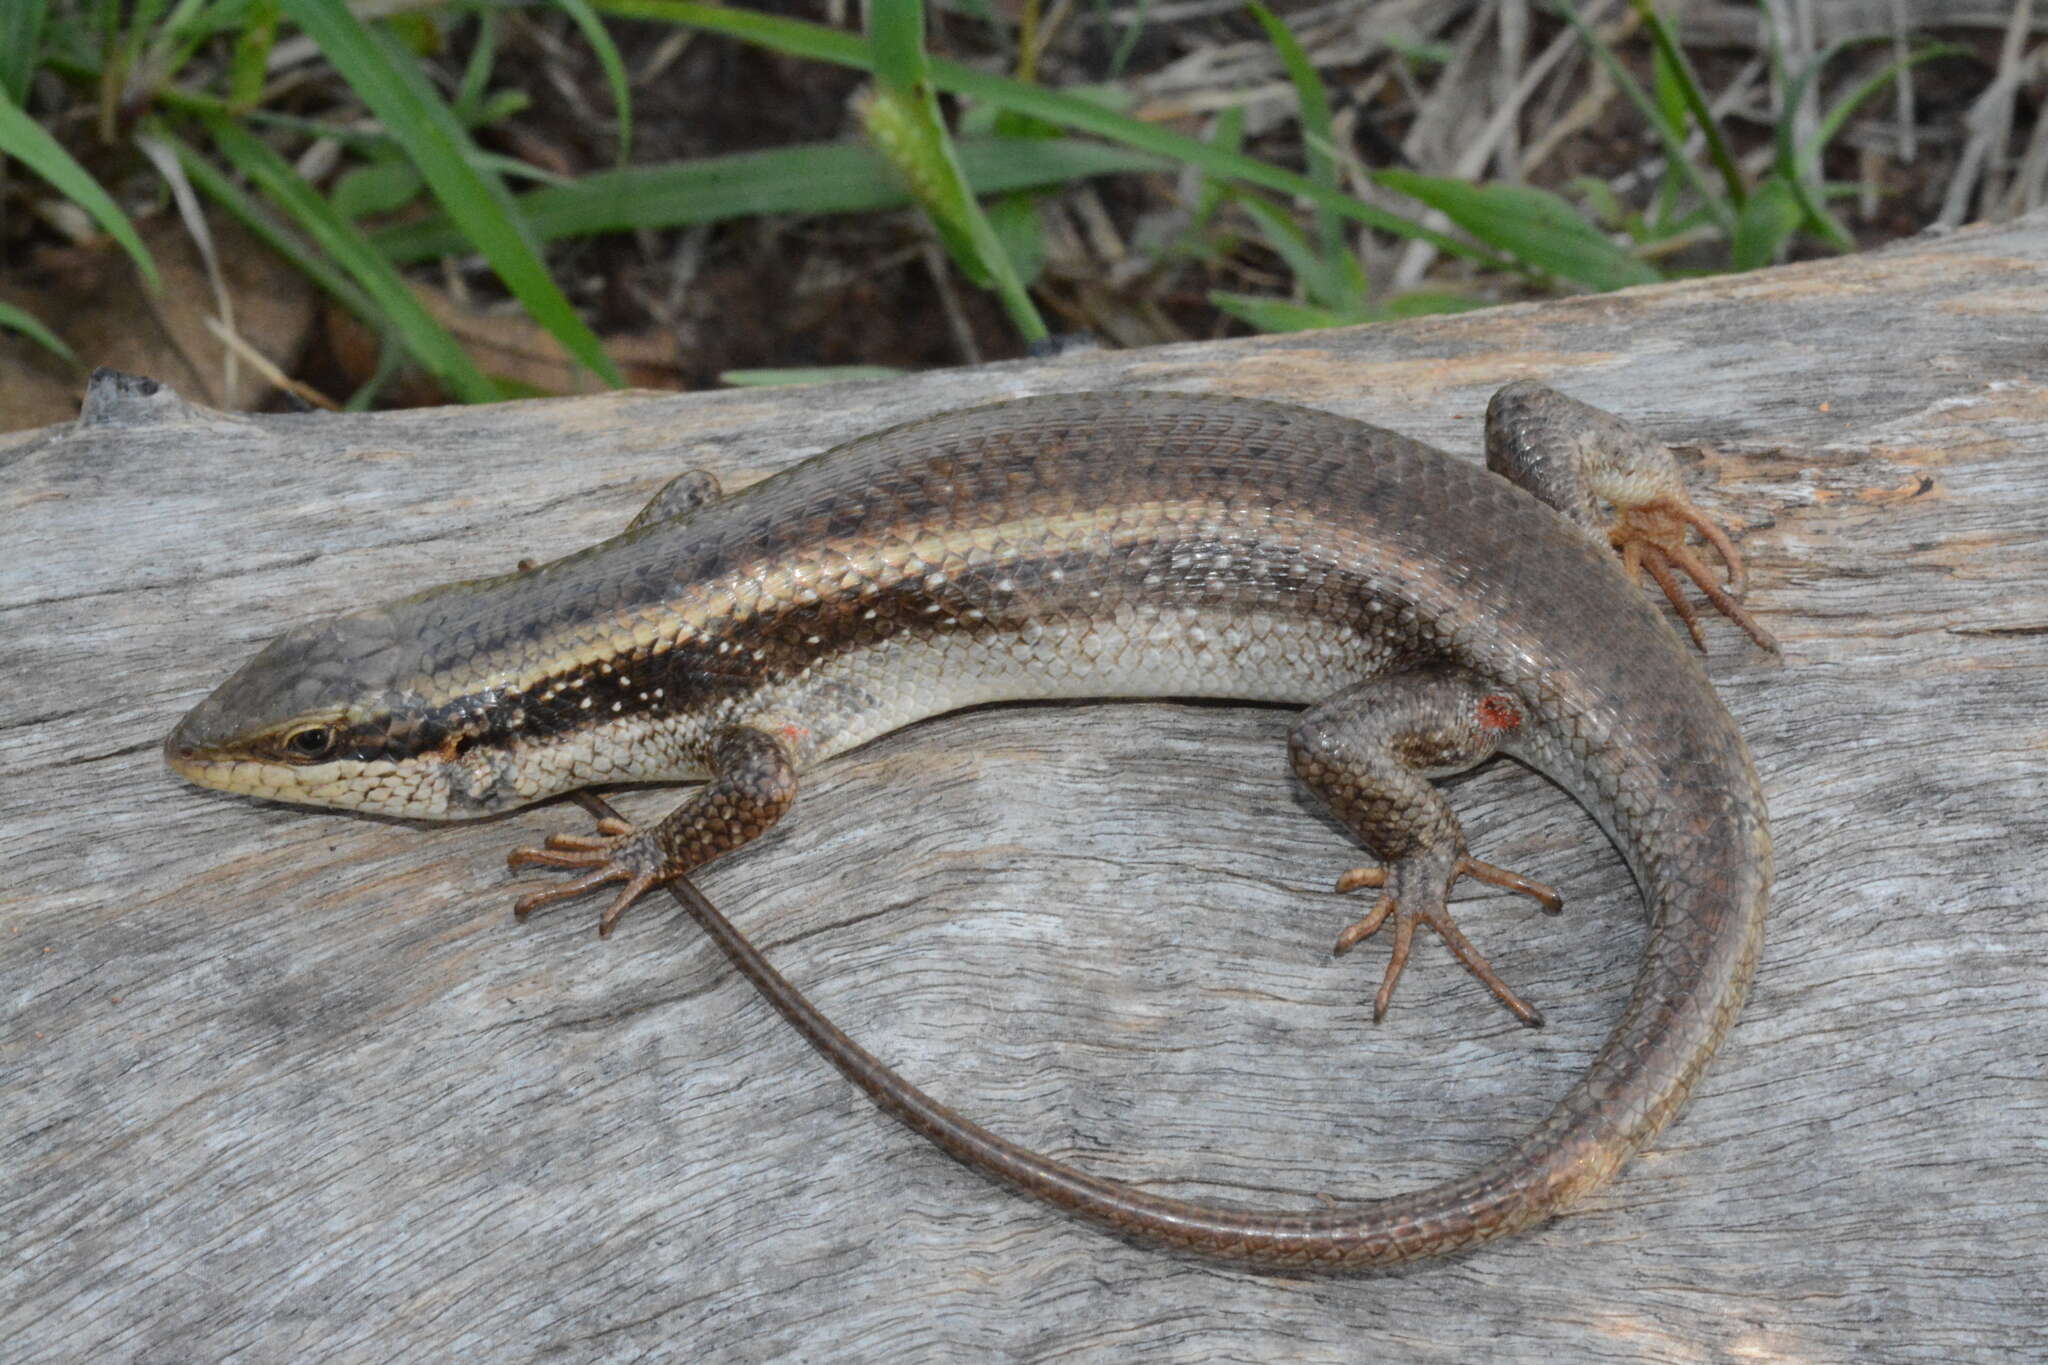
193 754
180 753
192 761
206 738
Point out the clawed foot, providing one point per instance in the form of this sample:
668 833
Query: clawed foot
1651 536
618 852
1411 896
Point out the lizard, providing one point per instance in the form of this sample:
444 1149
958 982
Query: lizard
1427 613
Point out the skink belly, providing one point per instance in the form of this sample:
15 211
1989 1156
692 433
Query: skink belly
854 697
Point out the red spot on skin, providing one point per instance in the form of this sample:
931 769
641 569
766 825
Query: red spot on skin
1497 712
794 732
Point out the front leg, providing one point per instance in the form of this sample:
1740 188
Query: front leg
680 496
1370 752
753 781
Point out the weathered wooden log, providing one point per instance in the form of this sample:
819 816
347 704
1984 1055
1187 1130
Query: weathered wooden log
285 1084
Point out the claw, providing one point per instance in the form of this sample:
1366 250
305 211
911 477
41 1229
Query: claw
544 857
579 842
1660 569
575 850
1438 917
609 832
1397 961
1652 536
1710 530
1365 928
604 854
1461 948
1542 893
1361 876
631 892
548 895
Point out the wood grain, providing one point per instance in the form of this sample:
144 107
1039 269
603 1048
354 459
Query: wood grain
292 1085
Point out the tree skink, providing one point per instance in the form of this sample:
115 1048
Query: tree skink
1428 614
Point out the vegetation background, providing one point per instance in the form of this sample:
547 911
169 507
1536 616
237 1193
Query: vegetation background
267 202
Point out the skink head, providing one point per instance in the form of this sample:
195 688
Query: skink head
336 713
459 701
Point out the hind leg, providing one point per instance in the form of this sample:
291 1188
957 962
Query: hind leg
1575 457
1369 752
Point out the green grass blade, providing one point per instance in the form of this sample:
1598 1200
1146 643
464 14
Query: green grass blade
127 34
819 43
182 32
378 188
1325 287
1345 288
16 319
1831 123
902 116
1134 30
23 138
394 304
249 65
1767 221
512 168
1672 137
1228 136
1278 315
905 129
896 38
807 375
1795 94
1797 167
389 81
613 66
791 37
21 38
1800 166
828 177
475 85
1535 226
1281 315
1688 83
1015 220
390 359
1091 118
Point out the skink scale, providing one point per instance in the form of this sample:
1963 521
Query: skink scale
1428 614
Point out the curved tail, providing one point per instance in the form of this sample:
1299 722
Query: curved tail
1707 904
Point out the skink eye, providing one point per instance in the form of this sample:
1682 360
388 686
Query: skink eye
310 743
